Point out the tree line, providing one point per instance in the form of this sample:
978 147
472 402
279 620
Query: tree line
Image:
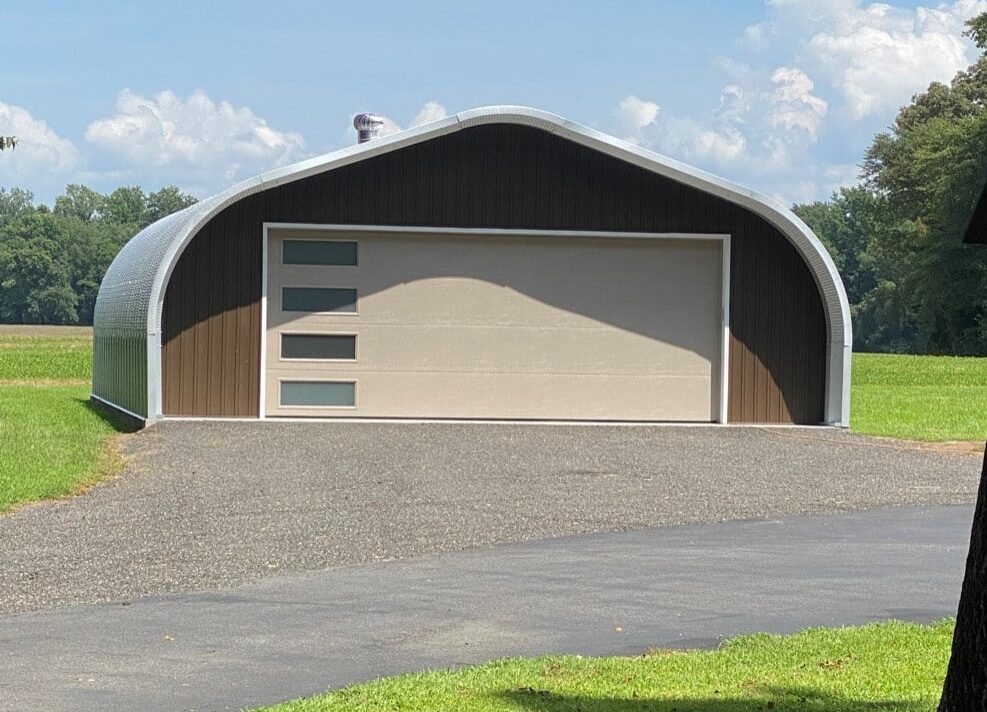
52 259
896 237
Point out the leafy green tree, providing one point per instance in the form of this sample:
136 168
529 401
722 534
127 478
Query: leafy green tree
164 202
14 203
35 286
932 173
125 206
846 224
80 202
52 261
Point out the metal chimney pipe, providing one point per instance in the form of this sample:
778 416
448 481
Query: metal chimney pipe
367 126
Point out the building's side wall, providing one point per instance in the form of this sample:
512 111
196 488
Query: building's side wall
494 176
120 368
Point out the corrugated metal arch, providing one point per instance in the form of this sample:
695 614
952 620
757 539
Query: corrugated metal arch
131 298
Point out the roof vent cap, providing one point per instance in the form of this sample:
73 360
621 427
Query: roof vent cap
367 125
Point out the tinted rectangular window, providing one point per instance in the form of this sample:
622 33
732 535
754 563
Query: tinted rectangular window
331 346
318 394
318 299
318 252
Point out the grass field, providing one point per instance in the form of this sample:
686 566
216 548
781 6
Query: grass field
892 667
54 443
919 397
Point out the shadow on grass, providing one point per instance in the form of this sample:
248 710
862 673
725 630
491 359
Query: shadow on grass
116 420
775 698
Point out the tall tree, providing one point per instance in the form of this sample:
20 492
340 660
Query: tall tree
965 688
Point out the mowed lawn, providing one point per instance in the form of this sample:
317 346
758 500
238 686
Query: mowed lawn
52 443
892 667
919 397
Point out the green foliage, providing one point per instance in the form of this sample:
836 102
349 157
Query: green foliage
845 224
894 667
52 261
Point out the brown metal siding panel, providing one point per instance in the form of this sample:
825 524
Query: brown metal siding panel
493 176
210 340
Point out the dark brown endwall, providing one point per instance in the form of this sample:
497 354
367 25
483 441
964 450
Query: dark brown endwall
494 176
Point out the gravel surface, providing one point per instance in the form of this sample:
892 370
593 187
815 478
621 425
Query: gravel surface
209 505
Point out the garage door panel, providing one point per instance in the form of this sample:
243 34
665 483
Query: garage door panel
513 327
479 281
520 396
588 350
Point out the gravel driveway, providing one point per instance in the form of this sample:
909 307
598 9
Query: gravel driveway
207 505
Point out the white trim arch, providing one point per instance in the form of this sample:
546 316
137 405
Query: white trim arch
131 298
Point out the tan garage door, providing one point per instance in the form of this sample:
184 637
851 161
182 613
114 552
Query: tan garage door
418 325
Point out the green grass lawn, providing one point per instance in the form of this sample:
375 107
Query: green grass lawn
919 397
45 358
892 667
53 442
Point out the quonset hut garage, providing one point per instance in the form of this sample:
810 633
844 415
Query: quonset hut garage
502 263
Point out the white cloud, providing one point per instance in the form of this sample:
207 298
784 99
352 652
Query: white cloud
431 111
795 107
389 126
635 114
876 56
735 105
720 146
41 158
193 140
846 65
710 143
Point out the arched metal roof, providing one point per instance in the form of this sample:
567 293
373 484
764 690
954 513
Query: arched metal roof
131 297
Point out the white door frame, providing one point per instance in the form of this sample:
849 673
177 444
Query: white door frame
724 239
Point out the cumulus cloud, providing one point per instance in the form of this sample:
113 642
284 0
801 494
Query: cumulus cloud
794 105
876 56
430 111
389 126
734 106
806 87
720 146
42 157
635 114
196 138
710 144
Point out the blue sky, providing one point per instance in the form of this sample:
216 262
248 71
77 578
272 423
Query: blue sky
781 95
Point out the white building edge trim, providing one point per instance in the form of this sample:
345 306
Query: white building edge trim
840 338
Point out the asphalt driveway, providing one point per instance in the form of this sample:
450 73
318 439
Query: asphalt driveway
213 505
592 594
